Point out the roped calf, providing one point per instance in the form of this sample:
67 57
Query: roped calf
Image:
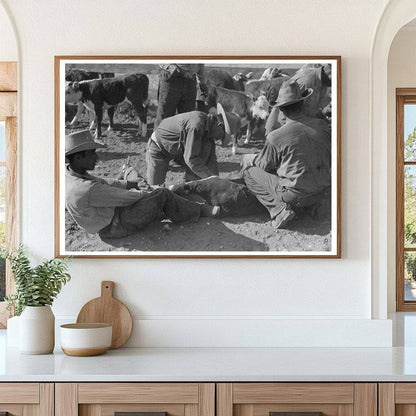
233 196
106 93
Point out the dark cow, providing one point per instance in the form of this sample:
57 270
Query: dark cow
81 75
220 78
109 92
76 75
270 88
234 198
239 103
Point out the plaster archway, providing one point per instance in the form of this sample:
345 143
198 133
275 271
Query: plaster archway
9 46
396 14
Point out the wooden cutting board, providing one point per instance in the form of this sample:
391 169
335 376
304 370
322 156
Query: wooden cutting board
107 309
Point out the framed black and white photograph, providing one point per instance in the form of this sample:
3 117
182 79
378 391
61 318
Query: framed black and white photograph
198 156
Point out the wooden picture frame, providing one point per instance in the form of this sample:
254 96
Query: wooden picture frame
315 231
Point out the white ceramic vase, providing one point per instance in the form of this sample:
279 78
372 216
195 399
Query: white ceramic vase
37 330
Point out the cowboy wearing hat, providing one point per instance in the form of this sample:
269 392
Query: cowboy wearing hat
190 138
294 167
116 208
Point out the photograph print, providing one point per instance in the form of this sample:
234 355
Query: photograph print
197 156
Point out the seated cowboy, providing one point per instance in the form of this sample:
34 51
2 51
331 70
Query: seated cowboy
116 208
294 168
190 138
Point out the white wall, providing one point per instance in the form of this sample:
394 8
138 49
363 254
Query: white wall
8 47
179 302
401 74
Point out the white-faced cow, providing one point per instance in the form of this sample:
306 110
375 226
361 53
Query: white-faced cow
76 75
234 198
108 92
241 104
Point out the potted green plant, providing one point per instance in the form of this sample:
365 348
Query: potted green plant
36 289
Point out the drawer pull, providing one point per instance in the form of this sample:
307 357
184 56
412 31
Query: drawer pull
139 414
296 414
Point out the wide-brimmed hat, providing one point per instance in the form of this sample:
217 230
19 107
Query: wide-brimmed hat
232 124
290 93
80 141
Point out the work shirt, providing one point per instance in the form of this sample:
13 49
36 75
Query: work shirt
299 153
187 70
187 135
92 201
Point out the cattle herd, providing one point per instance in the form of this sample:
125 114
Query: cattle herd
248 92
251 99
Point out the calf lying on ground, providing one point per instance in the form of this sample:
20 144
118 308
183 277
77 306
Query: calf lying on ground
234 198
98 93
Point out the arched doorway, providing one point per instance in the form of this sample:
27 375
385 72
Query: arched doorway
396 14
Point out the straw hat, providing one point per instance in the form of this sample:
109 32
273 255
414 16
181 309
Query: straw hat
232 124
290 93
80 141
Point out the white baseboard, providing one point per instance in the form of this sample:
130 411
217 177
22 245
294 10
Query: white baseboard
258 332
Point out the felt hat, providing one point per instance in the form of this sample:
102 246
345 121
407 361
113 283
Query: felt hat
80 141
290 93
232 123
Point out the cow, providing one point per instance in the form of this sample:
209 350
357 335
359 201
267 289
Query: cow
220 78
81 75
272 72
108 92
270 88
240 79
233 196
313 77
76 75
239 103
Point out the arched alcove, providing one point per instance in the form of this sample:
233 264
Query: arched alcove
396 15
8 42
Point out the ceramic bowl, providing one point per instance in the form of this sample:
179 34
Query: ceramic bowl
83 340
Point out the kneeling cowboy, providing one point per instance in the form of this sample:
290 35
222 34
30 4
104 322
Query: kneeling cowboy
189 137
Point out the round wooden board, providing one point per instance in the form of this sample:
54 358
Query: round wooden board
107 309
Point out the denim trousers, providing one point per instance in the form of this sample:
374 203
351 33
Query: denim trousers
176 94
272 195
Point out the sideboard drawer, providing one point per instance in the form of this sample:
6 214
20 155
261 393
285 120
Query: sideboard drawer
296 399
152 399
21 399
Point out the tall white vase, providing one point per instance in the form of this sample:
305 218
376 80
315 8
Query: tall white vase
37 330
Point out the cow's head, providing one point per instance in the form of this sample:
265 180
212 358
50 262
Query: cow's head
261 108
72 92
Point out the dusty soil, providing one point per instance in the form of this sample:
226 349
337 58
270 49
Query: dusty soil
251 233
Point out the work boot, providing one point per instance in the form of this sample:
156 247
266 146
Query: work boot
283 218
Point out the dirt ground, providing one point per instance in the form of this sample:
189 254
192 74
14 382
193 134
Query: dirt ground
254 233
